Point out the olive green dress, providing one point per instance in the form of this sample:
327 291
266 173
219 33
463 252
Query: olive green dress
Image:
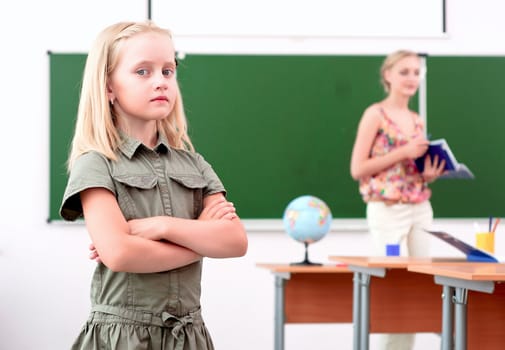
151 310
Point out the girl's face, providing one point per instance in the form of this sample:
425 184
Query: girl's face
143 84
404 76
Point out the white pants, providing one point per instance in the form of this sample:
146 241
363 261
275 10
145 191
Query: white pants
404 224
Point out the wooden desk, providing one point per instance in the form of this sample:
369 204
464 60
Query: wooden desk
403 302
310 294
485 325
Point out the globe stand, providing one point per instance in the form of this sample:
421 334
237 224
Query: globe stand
306 261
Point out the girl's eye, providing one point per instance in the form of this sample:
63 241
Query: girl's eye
168 72
142 72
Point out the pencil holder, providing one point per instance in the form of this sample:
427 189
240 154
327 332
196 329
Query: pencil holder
485 241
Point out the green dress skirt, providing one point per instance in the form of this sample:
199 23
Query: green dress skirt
137 316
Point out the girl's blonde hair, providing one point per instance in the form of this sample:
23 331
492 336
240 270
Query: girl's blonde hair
95 129
390 61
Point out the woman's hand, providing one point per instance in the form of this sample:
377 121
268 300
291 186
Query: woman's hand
433 169
416 147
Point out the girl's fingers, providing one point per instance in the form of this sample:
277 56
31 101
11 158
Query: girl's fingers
213 207
221 209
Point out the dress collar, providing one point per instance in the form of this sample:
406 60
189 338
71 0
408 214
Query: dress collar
130 145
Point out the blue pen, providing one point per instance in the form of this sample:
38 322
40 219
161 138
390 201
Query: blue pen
490 223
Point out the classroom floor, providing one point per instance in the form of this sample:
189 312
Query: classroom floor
301 336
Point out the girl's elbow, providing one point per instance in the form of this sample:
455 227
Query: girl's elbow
241 242
242 246
116 261
113 265
234 249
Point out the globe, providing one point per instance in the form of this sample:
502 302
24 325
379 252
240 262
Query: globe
307 219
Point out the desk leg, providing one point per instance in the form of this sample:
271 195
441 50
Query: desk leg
447 313
279 313
361 303
460 300
364 328
356 312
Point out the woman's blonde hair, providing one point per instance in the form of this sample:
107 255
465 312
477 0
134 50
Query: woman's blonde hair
95 129
390 61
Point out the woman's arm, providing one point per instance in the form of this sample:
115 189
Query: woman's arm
218 232
361 163
119 250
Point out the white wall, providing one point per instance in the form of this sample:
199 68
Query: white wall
44 270
323 18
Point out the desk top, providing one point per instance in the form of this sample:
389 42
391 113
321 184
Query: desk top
393 262
304 269
468 271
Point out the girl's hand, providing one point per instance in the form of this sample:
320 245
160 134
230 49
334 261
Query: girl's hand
433 169
416 147
218 209
155 228
93 254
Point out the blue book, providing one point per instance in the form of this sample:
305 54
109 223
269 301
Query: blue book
472 253
453 169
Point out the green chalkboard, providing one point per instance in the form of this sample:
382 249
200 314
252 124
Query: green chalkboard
466 105
277 127
65 74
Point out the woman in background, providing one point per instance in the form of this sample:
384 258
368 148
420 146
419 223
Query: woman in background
390 137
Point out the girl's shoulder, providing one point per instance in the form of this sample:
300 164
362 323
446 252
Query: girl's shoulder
90 159
91 164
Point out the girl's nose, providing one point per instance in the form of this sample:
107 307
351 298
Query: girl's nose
160 81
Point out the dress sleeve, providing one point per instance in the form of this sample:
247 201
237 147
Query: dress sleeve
214 184
89 170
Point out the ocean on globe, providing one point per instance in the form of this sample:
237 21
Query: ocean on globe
307 219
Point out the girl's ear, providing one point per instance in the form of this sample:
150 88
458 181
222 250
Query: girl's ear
110 94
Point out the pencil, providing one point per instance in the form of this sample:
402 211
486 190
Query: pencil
497 221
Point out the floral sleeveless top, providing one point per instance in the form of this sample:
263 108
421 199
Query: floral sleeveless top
401 182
